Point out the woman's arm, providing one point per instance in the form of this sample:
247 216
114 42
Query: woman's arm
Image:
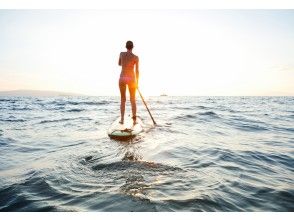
119 60
137 70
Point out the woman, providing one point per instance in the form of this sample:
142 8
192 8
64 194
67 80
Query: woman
129 77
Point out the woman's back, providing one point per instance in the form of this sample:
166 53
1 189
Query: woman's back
128 61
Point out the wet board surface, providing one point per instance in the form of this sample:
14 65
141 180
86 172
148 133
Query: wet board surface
127 130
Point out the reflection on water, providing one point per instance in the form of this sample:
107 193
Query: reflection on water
135 185
130 150
205 154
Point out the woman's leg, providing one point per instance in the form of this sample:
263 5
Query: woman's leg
132 90
122 89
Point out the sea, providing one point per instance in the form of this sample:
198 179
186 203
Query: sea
206 154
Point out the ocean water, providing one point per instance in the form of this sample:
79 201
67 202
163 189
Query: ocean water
205 154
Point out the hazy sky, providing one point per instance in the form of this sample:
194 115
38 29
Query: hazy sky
182 52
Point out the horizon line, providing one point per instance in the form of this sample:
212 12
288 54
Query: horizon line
74 94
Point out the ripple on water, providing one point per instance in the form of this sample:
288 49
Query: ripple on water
134 165
32 194
205 154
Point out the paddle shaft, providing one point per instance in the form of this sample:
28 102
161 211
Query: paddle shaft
146 106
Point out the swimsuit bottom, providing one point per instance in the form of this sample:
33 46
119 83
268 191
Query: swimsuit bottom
127 80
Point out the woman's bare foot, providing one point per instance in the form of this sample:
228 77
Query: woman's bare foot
134 120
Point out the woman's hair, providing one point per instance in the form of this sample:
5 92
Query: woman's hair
129 45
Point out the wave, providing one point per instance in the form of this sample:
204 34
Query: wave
206 203
209 113
67 102
246 124
13 120
180 108
90 103
284 199
75 110
250 127
55 121
251 197
9 100
187 116
289 129
64 120
273 159
26 149
74 144
29 196
134 165
5 142
21 109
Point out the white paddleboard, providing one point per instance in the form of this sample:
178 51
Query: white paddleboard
126 130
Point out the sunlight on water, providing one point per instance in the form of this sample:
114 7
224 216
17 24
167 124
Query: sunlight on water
205 154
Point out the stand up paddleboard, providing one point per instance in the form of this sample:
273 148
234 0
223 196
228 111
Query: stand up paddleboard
125 131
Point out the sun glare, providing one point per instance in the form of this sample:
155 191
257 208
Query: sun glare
180 52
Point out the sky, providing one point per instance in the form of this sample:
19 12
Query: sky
181 52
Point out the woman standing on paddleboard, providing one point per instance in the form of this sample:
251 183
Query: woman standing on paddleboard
129 77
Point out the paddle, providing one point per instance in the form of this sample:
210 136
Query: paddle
146 106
